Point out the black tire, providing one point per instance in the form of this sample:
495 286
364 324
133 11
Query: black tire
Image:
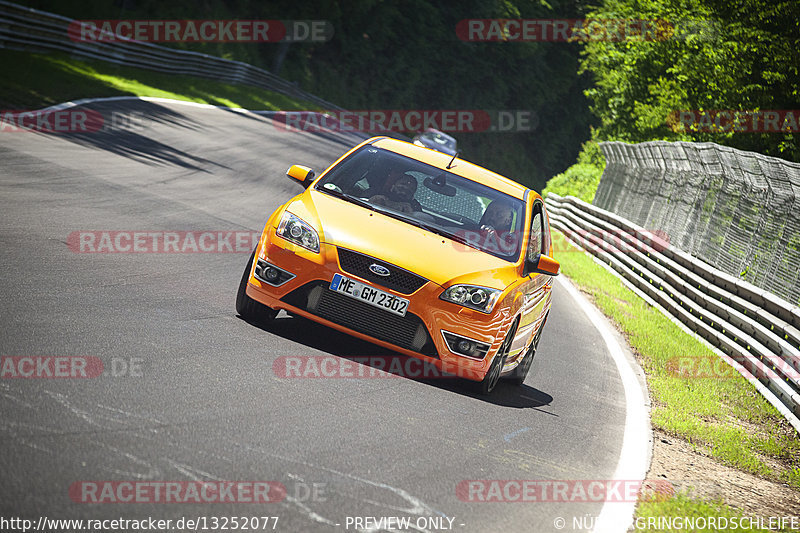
249 309
517 377
492 377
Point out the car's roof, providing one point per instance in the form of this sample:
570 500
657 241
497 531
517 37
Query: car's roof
460 167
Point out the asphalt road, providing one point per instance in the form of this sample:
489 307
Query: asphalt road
203 402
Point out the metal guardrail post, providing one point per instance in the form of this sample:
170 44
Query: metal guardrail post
756 329
734 209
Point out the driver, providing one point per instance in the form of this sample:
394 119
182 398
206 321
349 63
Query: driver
400 195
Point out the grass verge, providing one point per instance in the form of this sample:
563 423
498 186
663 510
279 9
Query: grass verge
723 417
682 513
40 80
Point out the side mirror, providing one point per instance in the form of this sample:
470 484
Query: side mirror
302 174
542 264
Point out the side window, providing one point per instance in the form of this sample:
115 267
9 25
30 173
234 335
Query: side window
537 233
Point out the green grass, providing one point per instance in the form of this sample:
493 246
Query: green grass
724 417
688 510
40 80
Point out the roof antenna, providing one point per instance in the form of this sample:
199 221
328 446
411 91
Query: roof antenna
450 164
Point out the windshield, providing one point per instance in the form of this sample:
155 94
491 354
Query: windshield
431 198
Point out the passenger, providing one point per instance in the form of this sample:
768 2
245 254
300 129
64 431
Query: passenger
497 218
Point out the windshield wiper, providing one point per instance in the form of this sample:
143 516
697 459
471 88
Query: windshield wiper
352 199
430 227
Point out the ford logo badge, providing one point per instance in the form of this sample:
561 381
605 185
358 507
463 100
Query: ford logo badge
379 270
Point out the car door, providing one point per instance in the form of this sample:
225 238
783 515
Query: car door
536 288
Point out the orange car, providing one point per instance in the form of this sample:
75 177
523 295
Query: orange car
413 250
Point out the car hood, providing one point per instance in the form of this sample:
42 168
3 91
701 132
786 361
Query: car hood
430 255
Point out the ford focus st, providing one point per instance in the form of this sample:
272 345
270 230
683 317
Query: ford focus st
414 250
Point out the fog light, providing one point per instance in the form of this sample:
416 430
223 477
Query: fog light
270 274
465 346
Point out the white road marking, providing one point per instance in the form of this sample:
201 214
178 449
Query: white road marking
634 457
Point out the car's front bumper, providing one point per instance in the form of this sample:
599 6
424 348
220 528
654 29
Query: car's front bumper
418 333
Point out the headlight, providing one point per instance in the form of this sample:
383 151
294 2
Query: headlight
295 230
479 298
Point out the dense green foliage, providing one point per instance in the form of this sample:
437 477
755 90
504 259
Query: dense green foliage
406 55
740 55
582 178
736 55
42 80
710 55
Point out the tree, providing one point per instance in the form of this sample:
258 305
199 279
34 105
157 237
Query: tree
715 55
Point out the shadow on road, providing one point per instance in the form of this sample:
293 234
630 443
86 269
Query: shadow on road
324 339
124 132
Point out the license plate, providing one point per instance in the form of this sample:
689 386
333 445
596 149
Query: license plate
365 293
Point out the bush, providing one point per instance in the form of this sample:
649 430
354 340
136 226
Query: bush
582 178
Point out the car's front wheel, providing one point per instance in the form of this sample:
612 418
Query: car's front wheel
250 309
492 377
519 374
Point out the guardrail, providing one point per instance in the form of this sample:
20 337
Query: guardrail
30 30
757 330
734 209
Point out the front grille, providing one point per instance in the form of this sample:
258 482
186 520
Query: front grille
406 332
399 280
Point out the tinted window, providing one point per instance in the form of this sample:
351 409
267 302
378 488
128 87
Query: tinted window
537 233
465 210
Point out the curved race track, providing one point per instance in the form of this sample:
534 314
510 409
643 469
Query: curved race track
205 403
